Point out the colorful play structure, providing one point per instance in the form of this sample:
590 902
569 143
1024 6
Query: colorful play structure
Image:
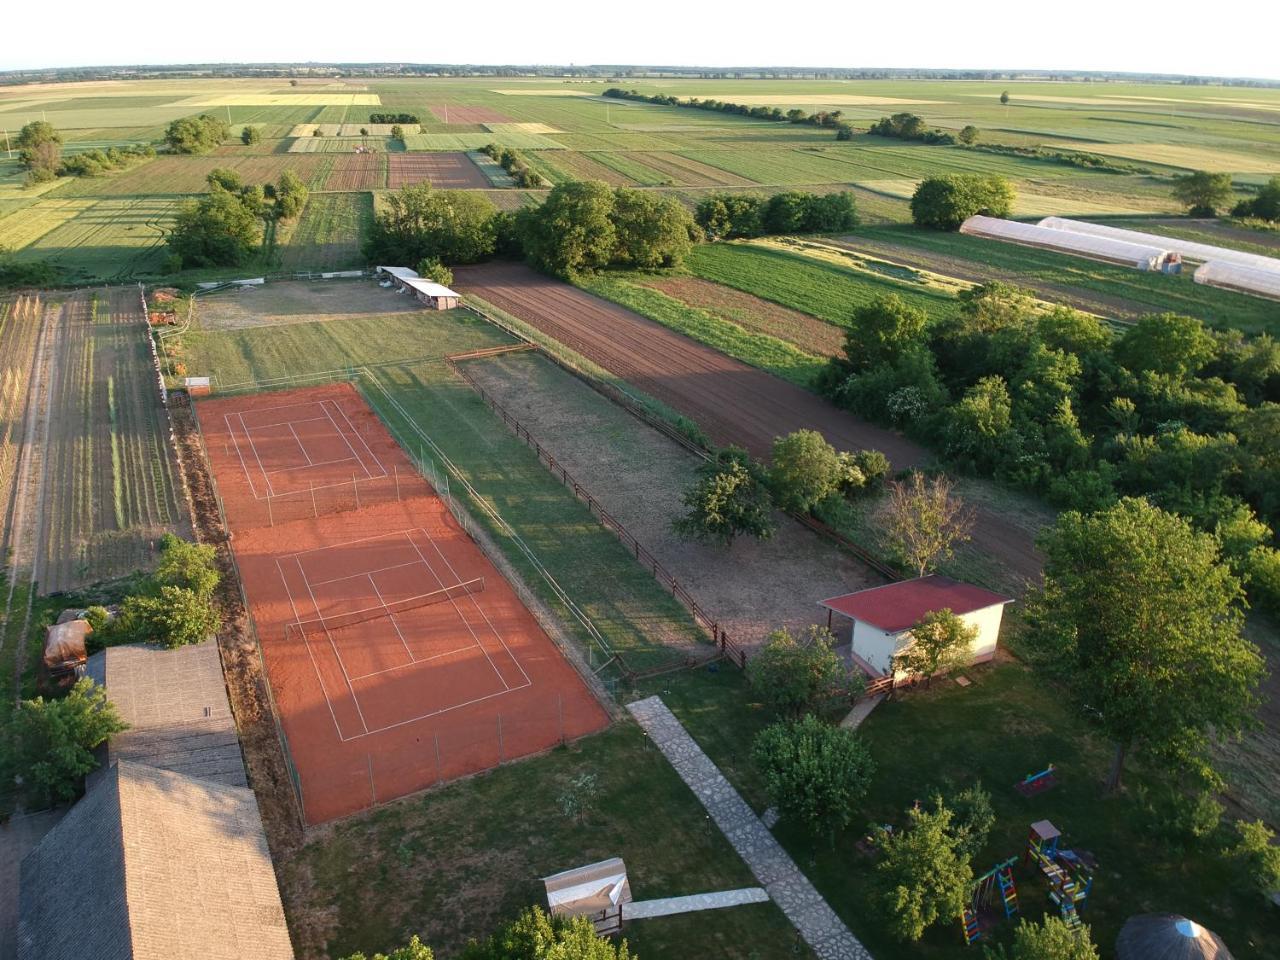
1036 783
995 895
1070 874
992 892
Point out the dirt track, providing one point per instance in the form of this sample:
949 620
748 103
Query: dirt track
733 402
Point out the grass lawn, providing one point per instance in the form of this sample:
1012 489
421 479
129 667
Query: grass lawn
997 731
377 879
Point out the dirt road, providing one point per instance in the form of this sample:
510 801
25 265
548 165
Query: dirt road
734 403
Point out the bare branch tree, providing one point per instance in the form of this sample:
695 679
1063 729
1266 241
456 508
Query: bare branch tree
925 520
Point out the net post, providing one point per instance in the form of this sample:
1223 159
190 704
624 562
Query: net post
396 466
355 485
314 512
373 790
436 738
271 519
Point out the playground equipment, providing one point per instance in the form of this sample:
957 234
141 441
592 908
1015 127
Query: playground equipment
993 889
1070 874
1037 783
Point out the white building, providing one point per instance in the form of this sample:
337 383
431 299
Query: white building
878 621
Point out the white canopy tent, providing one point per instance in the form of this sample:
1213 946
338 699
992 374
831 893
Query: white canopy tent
1231 276
1095 248
1186 248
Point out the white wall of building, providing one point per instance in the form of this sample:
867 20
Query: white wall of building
878 647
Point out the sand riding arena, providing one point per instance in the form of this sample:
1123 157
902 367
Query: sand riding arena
397 655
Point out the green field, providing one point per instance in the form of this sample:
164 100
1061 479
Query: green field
579 134
326 236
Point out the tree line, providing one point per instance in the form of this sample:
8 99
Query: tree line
516 165
40 153
393 118
224 227
833 119
908 126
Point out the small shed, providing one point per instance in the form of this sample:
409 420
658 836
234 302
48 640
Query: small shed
597 890
432 294
878 621
64 645
1168 936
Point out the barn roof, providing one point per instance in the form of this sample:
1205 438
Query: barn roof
899 606
430 288
175 702
153 865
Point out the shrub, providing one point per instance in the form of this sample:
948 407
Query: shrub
794 676
806 470
940 642
196 134
415 949
250 136
815 774
1050 940
1258 857
536 936
56 739
436 271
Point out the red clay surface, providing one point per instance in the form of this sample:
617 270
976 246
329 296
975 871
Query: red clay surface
444 674
454 113
733 402
447 171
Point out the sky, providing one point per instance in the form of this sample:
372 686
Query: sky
1157 37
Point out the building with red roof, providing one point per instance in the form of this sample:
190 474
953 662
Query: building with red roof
878 621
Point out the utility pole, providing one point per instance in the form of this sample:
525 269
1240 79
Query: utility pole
7 149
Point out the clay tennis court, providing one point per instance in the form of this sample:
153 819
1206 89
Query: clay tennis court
398 656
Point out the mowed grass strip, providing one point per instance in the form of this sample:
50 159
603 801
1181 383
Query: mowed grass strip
593 567
824 290
327 236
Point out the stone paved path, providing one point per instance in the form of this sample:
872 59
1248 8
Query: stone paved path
817 923
643 909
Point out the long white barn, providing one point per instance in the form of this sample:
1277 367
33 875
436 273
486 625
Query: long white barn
1188 249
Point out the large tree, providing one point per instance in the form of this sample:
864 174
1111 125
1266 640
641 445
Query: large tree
882 330
652 230
573 230
925 875
56 739
1203 193
218 230
196 134
1165 343
415 949
39 150
946 202
418 223
291 195
1051 939
1140 619
728 499
815 773
924 520
806 470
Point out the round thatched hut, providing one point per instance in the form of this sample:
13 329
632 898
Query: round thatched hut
1167 936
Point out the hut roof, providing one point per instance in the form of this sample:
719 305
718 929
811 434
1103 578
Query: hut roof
1168 936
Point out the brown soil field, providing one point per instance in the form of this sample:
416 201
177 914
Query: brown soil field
639 475
446 171
752 313
733 402
581 166
21 320
691 172
455 113
357 171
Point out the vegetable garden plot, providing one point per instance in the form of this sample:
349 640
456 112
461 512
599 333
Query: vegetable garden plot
447 171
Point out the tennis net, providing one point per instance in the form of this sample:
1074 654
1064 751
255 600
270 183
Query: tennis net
387 610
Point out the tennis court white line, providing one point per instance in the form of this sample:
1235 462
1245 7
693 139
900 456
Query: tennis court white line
253 446
298 440
467 623
364 443
367 573
314 666
315 463
479 608
354 456
231 432
347 543
390 616
328 636
279 423
434 656
436 713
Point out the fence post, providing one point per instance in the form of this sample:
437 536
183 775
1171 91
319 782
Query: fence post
355 485
314 512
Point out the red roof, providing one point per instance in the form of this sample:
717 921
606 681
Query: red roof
899 606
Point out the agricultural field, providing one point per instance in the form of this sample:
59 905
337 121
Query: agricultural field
568 131
21 322
326 236
444 171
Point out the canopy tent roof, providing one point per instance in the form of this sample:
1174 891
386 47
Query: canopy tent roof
65 642
1139 256
1232 276
1186 248
404 273
589 889
895 607
1167 936
430 288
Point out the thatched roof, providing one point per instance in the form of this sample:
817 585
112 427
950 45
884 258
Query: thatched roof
1168 936
153 865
